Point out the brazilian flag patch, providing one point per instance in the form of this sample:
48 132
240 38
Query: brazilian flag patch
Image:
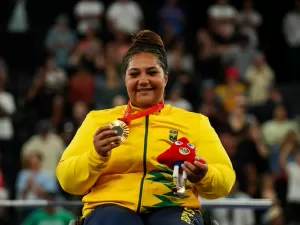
173 135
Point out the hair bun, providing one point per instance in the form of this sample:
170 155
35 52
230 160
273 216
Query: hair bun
148 37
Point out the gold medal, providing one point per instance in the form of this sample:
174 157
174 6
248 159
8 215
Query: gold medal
121 128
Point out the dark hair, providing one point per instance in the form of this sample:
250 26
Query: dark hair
146 41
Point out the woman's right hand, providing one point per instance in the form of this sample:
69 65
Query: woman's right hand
106 139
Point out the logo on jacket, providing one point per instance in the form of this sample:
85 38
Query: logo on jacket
173 135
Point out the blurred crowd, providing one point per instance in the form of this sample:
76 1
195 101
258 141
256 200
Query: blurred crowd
226 77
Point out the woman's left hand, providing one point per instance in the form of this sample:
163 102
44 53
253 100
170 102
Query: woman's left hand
195 172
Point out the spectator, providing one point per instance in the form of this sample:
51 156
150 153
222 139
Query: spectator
222 18
48 86
249 21
70 125
105 92
274 216
33 182
89 53
208 56
124 15
275 98
222 14
168 35
176 100
181 69
268 190
292 169
261 151
260 78
170 13
115 49
52 77
276 129
7 110
60 41
240 56
239 120
179 57
287 146
291 31
82 87
49 215
48 144
251 158
89 14
231 90
211 106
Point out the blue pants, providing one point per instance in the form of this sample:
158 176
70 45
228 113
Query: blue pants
116 215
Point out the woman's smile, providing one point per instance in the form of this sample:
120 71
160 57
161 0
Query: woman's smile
145 90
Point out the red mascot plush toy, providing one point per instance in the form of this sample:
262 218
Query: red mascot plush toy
179 152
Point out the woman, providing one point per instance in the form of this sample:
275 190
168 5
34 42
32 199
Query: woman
122 181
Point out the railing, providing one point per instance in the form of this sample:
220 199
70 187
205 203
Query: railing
206 204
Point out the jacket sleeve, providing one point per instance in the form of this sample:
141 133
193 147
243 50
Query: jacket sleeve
80 165
220 177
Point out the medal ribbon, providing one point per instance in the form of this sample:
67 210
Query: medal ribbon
128 117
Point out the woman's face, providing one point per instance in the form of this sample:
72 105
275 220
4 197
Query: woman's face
280 113
80 110
259 61
34 161
51 64
145 80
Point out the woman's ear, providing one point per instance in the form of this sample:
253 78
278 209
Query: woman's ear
166 78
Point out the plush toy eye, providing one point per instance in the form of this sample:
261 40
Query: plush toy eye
191 146
178 143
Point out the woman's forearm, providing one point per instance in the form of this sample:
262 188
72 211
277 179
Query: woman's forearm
217 183
78 174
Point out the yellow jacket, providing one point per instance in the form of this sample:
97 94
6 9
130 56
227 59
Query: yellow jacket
131 176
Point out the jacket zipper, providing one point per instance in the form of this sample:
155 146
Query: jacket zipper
144 164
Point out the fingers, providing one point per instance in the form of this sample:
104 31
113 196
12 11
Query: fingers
106 139
101 129
195 172
103 147
104 134
189 173
110 140
201 165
